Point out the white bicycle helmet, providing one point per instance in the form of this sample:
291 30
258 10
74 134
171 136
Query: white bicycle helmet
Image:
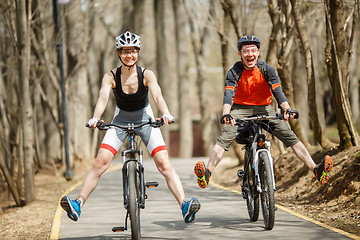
127 39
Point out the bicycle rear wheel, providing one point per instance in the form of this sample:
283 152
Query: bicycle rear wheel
249 187
133 191
267 194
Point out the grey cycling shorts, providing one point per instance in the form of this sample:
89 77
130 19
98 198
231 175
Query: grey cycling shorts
280 128
152 137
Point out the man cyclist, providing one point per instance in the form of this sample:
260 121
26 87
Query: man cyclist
130 84
249 86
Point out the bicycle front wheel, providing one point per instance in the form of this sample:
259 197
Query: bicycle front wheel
267 193
133 191
249 188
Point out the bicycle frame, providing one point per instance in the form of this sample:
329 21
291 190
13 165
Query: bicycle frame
258 177
129 155
255 134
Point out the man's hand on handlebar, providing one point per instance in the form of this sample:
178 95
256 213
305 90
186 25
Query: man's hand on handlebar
290 114
228 119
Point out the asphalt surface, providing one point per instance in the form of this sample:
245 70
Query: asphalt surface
223 214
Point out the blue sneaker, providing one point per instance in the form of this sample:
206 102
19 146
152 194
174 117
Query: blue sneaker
72 207
189 208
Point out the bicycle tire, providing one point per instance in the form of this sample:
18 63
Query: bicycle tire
252 199
134 209
267 194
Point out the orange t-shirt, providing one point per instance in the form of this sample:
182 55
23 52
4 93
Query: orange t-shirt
252 89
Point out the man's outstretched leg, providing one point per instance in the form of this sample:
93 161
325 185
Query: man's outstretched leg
322 170
203 173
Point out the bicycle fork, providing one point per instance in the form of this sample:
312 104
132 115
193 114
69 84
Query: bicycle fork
140 171
256 154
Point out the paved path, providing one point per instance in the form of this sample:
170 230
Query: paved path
223 214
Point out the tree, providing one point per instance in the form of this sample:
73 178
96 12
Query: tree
285 52
302 34
161 54
337 69
23 34
198 34
75 24
185 117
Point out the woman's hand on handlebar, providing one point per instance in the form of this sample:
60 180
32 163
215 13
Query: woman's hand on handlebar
92 123
168 118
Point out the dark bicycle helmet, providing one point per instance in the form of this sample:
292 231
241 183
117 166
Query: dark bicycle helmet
247 40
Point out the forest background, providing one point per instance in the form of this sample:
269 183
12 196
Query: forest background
54 54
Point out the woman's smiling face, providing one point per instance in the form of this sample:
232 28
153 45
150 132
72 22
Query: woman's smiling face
128 55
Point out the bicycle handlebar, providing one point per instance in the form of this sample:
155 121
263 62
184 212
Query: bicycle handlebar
266 117
106 126
261 117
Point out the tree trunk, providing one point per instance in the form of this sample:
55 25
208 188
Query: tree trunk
271 57
337 69
301 92
354 85
285 76
272 54
162 60
49 87
9 180
228 7
23 22
77 94
138 15
314 118
185 116
198 37
4 144
283 67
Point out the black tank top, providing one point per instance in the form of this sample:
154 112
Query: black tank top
134 101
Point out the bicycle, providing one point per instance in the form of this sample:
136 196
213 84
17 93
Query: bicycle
258 174
134 188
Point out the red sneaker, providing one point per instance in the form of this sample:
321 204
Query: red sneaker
203 174
322 170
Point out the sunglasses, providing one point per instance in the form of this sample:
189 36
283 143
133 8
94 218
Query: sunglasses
127 51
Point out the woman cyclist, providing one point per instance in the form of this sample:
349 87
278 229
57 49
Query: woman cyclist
130 84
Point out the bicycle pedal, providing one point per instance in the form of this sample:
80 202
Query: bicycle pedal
244 195
240 173
244 192
119 229
151 184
